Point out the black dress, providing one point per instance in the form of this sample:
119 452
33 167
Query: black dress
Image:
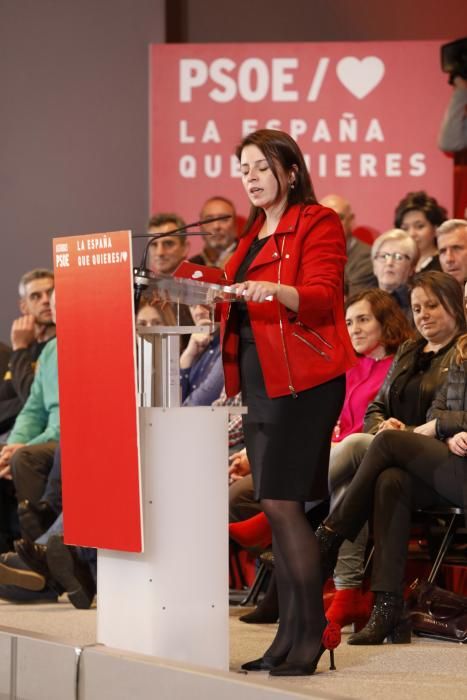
287 438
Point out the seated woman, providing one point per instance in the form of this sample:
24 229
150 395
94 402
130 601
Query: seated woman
406 468
377 327
152 312
395 255
420 215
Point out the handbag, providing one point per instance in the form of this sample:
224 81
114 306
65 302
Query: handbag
435 612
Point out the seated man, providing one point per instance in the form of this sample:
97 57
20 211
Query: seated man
451 238
220 237
28 455
358 269
166 254
29 335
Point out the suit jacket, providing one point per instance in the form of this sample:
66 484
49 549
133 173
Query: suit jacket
359 269
297 351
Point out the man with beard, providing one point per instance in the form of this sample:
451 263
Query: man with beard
29 335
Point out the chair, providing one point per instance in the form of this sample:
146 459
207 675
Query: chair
449 518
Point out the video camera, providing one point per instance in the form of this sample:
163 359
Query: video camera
454 59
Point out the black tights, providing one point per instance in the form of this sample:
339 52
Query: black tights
299 585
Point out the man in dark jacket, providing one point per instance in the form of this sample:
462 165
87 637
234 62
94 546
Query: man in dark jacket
29 335
359 267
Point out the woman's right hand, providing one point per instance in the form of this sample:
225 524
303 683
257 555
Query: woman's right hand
458 444
391 424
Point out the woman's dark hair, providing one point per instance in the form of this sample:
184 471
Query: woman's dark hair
280 149
420 201
446 289
395 328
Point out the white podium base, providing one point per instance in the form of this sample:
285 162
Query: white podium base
172 600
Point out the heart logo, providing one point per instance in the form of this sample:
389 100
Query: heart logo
360 76
124 256
197 274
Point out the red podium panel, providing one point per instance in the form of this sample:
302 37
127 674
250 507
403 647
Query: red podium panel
97 388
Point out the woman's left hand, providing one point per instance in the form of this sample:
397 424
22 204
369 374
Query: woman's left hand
256 291
428 429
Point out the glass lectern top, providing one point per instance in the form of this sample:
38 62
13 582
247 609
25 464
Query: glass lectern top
188 291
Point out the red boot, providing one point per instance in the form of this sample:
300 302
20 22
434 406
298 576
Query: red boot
350 606
253 532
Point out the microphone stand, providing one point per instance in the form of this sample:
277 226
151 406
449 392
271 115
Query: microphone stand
142 274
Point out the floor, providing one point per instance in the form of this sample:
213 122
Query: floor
425 669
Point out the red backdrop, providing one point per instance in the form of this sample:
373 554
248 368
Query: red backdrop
366 115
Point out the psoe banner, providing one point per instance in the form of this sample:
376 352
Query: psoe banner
366 116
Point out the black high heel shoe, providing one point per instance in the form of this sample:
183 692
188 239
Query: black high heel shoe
329 543
265 663
330 640
387 621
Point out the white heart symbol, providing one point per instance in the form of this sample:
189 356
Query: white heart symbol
124 256
360 76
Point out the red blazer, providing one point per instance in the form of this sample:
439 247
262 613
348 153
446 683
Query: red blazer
296 350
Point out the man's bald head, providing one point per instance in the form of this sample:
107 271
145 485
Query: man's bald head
343 209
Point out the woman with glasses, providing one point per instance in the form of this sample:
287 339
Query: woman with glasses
395 255
419 369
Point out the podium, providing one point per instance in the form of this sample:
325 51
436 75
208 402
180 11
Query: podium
144 479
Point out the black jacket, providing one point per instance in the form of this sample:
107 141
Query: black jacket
450 404
381 408
15 383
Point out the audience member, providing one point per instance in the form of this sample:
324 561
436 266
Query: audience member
403 471
418 370
28 455
452 245
201 373
419 215
220 237
29 335
152 312
395 255
359 269
165 254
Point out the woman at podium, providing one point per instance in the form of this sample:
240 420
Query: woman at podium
285 345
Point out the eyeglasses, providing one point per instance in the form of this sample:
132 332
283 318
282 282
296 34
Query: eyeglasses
397 257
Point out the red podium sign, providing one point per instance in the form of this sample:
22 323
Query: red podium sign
97 387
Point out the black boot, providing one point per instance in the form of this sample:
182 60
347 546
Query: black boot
329 545
387 619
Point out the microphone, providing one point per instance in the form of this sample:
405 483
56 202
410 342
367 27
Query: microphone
141 273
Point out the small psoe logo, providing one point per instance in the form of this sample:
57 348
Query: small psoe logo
61 248
197 274
360 76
